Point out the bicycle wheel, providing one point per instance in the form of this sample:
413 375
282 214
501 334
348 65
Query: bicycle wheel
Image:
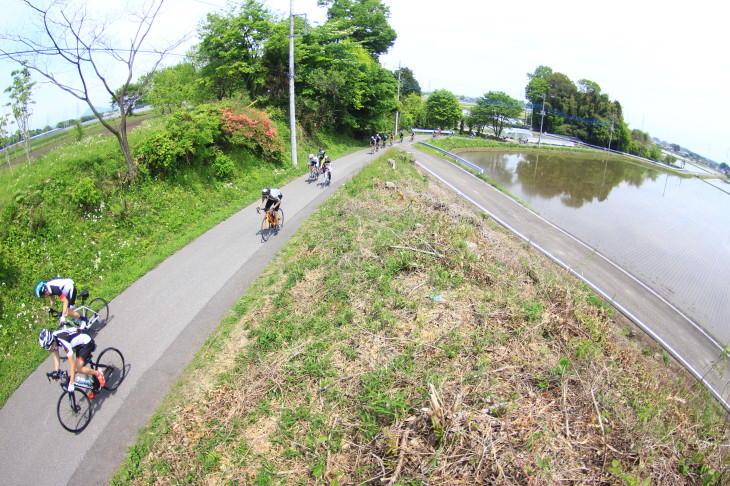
99 314
281 220
111 363
265 230
74 410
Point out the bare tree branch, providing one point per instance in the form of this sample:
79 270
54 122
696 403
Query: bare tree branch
71 38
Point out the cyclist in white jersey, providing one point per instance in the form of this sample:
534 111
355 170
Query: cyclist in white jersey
78 346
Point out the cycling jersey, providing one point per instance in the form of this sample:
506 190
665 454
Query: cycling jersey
274 195
64 289
75 342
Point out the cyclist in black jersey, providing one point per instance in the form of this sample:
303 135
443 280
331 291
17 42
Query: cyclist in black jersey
272 197
78 346
65 290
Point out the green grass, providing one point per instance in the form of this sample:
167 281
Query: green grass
349 356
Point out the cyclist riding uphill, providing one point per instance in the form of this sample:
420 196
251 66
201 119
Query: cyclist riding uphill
272 197
65 290
78 346
327 165
313 160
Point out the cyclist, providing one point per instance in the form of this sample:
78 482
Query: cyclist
327 167
78 346
272 197
372 144
401 136
413 134
320 156
313 161
65 290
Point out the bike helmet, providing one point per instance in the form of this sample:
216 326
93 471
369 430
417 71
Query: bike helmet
45 339
265 191
40 288
311 156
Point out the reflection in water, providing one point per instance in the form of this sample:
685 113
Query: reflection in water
672 233
575 180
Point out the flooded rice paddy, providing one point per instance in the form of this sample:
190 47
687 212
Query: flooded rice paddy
671 232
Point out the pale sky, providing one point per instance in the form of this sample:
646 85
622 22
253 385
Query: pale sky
664 62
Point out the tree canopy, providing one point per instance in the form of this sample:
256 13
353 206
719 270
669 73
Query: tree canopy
496 109
364 21
443 109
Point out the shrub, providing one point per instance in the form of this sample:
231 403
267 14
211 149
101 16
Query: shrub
85 195
159 154
251 129
222 166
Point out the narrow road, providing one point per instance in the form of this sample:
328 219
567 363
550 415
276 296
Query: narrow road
161 321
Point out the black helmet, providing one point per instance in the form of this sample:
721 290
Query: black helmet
265 191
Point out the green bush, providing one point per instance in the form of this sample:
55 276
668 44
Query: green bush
85 195
223 166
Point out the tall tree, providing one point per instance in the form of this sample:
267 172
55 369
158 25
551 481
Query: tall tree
442 109
20 103
365 21
231 49
497 109
340 85
70 37
173 87
408 83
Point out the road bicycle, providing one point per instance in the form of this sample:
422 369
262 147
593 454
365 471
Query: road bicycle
74 408
313 172
95 314
268 225
326 175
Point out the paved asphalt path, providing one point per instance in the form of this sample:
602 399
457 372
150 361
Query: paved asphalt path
161 321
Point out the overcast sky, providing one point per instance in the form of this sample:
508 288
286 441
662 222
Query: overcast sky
665 63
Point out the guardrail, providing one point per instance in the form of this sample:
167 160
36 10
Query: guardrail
455 157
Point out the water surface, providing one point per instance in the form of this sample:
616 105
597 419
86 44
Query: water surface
672 233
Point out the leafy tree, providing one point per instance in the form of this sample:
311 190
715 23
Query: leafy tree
134 96
442 109
408 83
496 109
84 45
365 21
541 72
412 111
231 49
172 87
20 102
339 85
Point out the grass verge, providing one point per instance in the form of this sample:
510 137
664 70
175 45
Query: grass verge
405 339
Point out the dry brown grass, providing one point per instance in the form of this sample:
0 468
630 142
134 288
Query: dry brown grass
406 340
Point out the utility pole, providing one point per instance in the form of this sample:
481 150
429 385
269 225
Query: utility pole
292 113
397 111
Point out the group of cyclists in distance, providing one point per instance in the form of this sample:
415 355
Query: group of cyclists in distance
321 163
377 141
